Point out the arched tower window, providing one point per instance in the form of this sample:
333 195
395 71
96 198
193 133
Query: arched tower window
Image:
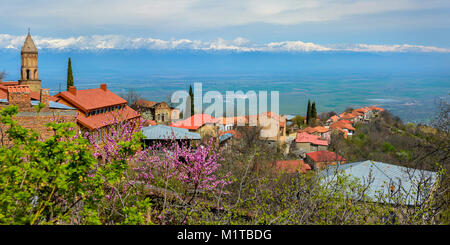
28 74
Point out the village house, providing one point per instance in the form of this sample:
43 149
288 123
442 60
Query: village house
350 116
203 124
98 109
160 112
323 132
273 126
309 143
344 127
292 166
27 93
322 159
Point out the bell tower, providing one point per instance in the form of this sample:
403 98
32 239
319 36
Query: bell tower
29 65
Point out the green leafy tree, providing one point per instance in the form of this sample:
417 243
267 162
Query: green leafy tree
191 98
313 113
42 181
69 75
308 113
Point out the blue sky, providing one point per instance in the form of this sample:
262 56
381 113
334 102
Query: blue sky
288 25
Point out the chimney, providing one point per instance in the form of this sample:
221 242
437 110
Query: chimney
73 90
44 96
19 95
103 86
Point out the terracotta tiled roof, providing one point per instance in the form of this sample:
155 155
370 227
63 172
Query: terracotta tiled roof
374 108
361 110
347 115
346 121
309 138
334 118
103 119
145 103
194 122
325 156
342 125
317 129
37 96
90 99
292 166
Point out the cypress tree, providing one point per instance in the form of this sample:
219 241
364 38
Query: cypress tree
69 75
191 96
313 112
308 112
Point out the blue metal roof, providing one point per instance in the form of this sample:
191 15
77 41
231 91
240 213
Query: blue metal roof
163 132
383 176
225 137
56 105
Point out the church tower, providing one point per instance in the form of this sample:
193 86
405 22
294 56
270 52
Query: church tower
29 65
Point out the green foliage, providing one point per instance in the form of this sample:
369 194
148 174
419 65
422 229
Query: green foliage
299 121
308 112
388 148
41 181
69 74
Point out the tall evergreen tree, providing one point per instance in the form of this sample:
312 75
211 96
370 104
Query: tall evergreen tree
191 96
308 112
313 112
69 75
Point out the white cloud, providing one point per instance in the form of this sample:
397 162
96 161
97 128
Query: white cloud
240 44
198 14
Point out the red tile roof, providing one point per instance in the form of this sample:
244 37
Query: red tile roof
346 115
194 122
342 125
334 118
292 166
317 129
37 96
91 99
374 108
145 103
346 121
309 138
361 110
103 119
325 156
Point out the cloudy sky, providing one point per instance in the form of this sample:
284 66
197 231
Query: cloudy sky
265 25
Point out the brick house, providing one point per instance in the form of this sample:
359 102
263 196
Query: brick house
322 159
98 109
309 143
28 116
